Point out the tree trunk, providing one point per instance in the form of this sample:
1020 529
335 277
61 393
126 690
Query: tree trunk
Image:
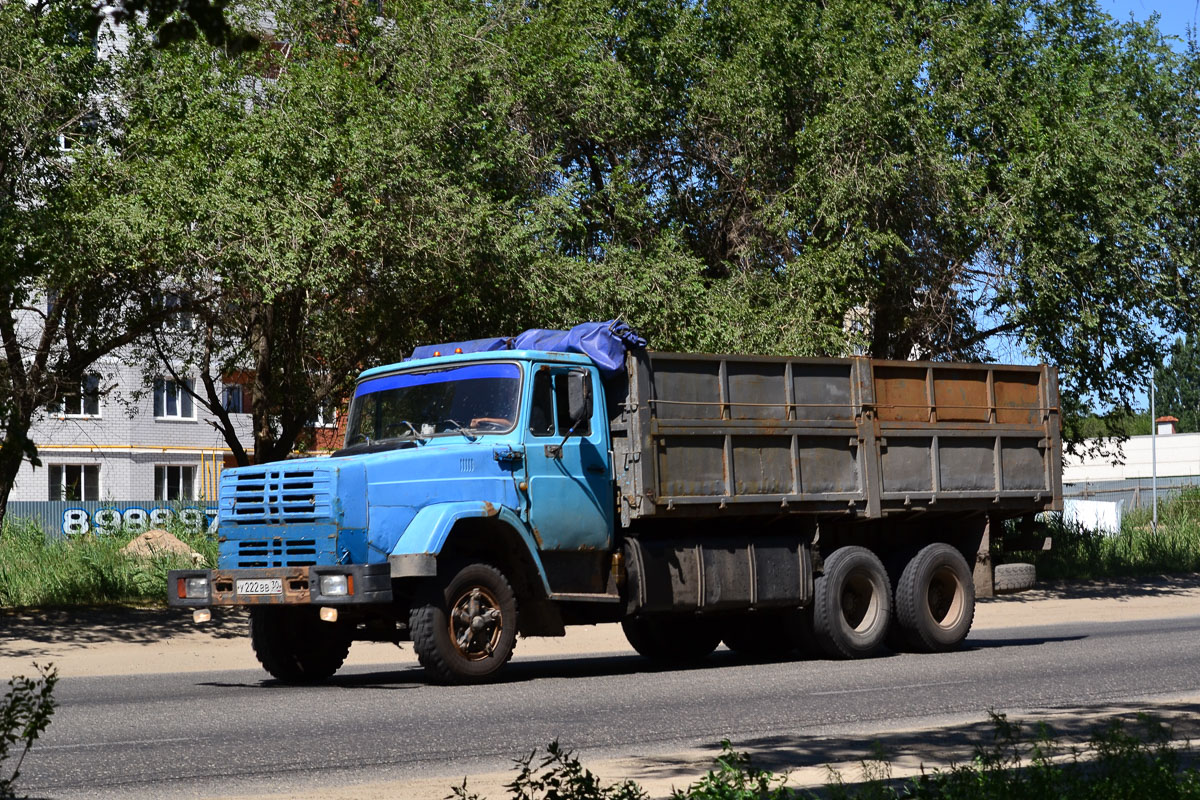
12 454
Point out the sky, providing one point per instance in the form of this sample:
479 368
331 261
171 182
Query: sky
1176 16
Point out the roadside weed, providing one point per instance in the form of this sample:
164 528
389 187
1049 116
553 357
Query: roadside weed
1119 762
25 713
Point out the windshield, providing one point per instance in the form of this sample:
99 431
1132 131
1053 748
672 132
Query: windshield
472 399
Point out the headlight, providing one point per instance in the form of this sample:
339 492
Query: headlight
194 588
335 585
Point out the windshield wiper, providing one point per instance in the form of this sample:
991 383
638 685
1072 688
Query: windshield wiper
460 428
415 434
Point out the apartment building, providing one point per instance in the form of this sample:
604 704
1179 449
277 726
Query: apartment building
123 438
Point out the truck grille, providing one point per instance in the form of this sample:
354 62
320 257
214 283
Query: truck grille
277 553
277 495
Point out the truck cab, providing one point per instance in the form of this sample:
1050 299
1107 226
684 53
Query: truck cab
499 461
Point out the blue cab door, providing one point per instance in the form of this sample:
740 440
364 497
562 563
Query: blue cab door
570 488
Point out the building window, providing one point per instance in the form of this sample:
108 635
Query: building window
176 318
231 399
82 403
174 483
74 481
326 416
173 399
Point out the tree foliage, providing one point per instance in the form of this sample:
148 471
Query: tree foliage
1177 384
66 273
913 179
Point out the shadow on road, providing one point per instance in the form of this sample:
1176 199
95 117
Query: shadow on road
86 626
1017 641
1110 588
930 748
592 665
25 629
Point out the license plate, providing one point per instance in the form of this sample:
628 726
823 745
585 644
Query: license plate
260 586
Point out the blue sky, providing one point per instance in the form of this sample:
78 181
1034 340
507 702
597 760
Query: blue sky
1176 16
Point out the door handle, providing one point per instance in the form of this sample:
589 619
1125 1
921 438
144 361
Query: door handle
506 453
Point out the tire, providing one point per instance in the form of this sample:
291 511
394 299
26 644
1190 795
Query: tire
1014 577
465 630
760 634
935 600
672 638
295 646
852 608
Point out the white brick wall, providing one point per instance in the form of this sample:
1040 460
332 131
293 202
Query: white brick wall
1178 455
127 441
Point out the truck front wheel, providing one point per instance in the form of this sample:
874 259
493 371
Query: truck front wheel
935 599
295 646
465 630
853 604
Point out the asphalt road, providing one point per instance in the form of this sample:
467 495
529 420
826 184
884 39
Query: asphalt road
199 734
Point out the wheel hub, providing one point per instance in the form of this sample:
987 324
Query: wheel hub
860 602
476 624
945 598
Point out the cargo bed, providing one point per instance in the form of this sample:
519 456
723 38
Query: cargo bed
865 438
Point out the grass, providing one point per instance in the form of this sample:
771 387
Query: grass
1118 763
40 571
1137 550
36 570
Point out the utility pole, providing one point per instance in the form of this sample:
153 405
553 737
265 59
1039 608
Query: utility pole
1153 460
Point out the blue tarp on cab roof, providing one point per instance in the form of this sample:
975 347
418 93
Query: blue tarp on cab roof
603 342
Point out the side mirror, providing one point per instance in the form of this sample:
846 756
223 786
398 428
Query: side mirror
579 397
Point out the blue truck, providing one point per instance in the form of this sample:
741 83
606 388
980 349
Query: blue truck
506 487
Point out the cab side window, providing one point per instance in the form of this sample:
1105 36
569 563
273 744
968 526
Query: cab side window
564 416
541 415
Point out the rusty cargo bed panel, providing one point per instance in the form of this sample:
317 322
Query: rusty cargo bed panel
868 438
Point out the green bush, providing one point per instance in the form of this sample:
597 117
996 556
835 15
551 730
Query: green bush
89 569
1138 549
1117 765
25 713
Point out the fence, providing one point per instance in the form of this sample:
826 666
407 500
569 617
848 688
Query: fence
1136 492
72 518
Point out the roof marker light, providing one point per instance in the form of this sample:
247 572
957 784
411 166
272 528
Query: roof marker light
458 350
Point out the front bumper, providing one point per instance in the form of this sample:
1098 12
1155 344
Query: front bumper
369 583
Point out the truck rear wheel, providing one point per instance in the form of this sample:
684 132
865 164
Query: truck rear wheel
295 646
760 634
465 629
672 638
935 599
853 604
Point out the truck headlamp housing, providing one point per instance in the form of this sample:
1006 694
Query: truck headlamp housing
335 585
194 588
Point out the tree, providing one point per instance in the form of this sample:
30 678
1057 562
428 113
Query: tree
925 179
67 282
173 21
324 205
749 176
1177 384
967 176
